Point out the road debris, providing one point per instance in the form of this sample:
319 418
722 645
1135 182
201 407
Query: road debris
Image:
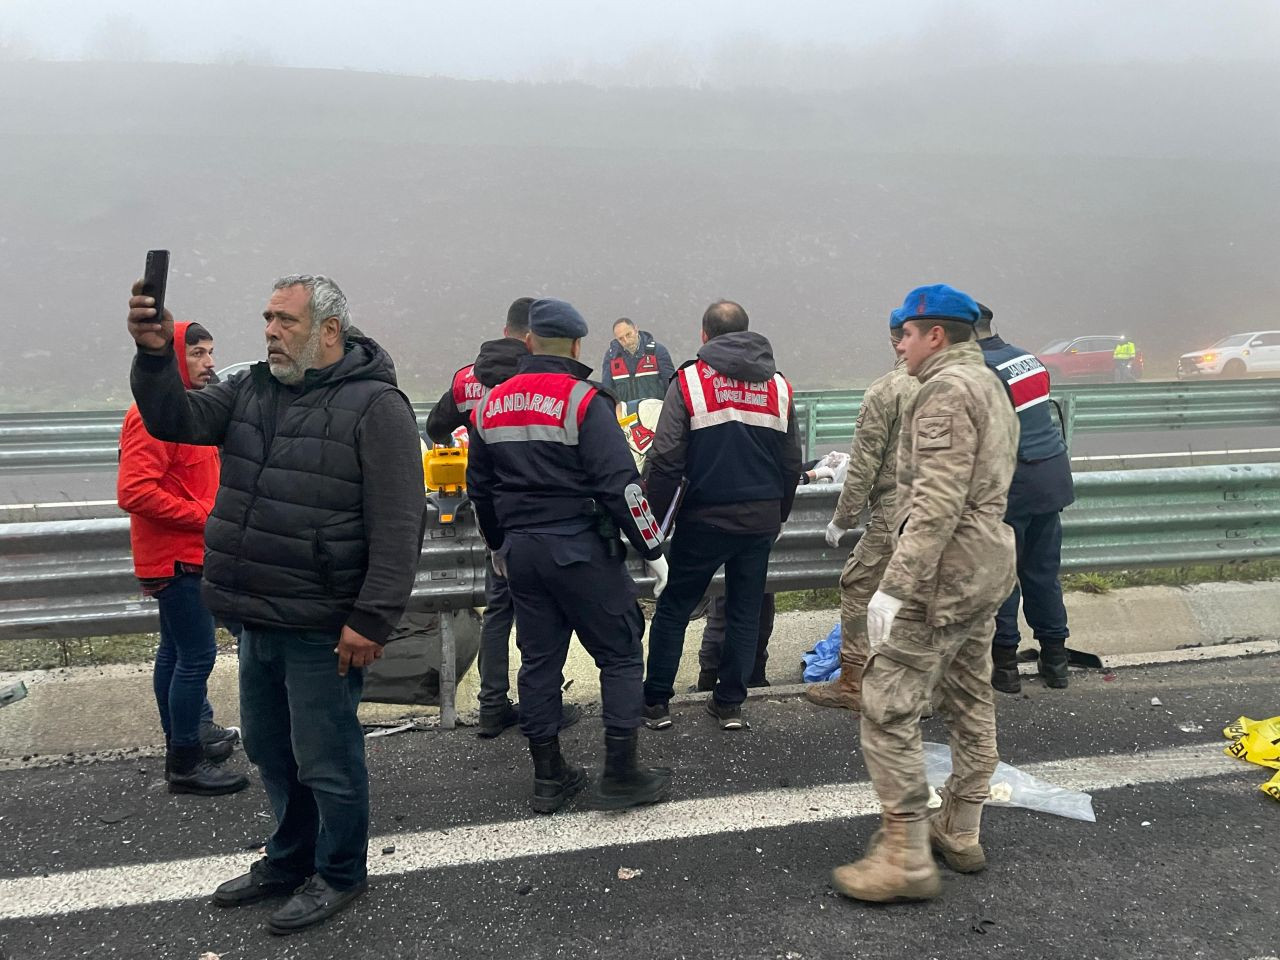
389 849
1190 727
1011 787
630 873
1157 702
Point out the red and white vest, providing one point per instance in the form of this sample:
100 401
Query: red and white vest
713 398
534 406
467 390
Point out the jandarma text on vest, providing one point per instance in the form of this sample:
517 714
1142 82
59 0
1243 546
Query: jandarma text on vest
536 402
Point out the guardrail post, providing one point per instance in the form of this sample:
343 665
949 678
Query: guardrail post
811 424
448 673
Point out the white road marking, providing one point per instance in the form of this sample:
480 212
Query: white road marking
425 850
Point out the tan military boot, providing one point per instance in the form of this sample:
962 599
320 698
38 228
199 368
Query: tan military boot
954 834
898 866
845 691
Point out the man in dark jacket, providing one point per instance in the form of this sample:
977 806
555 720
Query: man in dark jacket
495 364
1041 490
312 546
727 438
553 483
635 367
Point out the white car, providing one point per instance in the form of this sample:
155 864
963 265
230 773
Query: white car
1240 355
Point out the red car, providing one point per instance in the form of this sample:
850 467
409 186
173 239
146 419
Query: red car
1086 360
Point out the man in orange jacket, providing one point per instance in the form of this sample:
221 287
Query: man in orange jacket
168 490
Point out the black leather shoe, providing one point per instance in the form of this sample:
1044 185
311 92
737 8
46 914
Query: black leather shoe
314 903
264 880
219 742
1053 664
188 771
1004 669
492 723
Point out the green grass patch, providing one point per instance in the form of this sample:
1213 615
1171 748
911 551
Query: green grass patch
87 651
828 598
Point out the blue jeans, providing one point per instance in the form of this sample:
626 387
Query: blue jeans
184 661
695 556
301 731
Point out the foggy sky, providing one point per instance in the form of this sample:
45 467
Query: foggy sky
657 42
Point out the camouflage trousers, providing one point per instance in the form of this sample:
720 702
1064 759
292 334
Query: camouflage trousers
858 582
953 665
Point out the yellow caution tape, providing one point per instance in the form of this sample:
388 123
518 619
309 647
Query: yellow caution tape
1257 741
1272 787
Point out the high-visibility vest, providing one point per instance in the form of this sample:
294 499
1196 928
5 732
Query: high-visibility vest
1125 351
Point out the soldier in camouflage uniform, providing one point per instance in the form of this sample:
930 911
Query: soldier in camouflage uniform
931 620
869 483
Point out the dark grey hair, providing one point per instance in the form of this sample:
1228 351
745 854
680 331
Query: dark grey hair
327 298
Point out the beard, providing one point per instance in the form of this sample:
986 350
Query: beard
291 370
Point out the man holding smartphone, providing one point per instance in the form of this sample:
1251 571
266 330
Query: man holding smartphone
312 545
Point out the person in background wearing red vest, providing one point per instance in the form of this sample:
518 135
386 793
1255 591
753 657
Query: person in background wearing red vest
495 364
728 437
635 367
168 490
553 482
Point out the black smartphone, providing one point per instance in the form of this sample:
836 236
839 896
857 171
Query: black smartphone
154 279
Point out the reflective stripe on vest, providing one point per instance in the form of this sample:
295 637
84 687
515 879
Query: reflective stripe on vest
467 390
535 406
1026 379
713 399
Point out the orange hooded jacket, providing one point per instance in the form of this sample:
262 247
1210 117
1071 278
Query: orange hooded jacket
166 488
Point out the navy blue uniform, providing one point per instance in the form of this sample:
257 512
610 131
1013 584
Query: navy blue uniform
1041 489
547 460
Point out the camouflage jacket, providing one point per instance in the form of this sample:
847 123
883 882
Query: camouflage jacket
872 477
953 557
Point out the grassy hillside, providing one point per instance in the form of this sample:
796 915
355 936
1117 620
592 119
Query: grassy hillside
1071 200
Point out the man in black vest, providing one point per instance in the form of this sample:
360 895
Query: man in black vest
312 546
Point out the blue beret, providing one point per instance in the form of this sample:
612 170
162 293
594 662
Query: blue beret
556 319
936 302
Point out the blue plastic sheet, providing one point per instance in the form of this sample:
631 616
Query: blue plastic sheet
823 661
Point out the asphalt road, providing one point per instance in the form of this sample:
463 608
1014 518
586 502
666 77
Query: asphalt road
1182 861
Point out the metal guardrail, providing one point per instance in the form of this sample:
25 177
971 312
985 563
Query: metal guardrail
62 579
41 442
829 416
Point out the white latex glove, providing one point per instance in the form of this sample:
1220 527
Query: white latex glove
880 614
658 568
499 564
834 534
824 473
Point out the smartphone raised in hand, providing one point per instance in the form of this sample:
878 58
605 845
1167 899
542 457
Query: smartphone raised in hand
155 278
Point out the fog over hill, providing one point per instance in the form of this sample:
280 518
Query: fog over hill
1142 198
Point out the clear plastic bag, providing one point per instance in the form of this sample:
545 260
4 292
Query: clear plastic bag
1010 787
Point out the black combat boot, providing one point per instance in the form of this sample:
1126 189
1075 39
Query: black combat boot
1053 663
189 771
1004 669
706 680
624 783
554 781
